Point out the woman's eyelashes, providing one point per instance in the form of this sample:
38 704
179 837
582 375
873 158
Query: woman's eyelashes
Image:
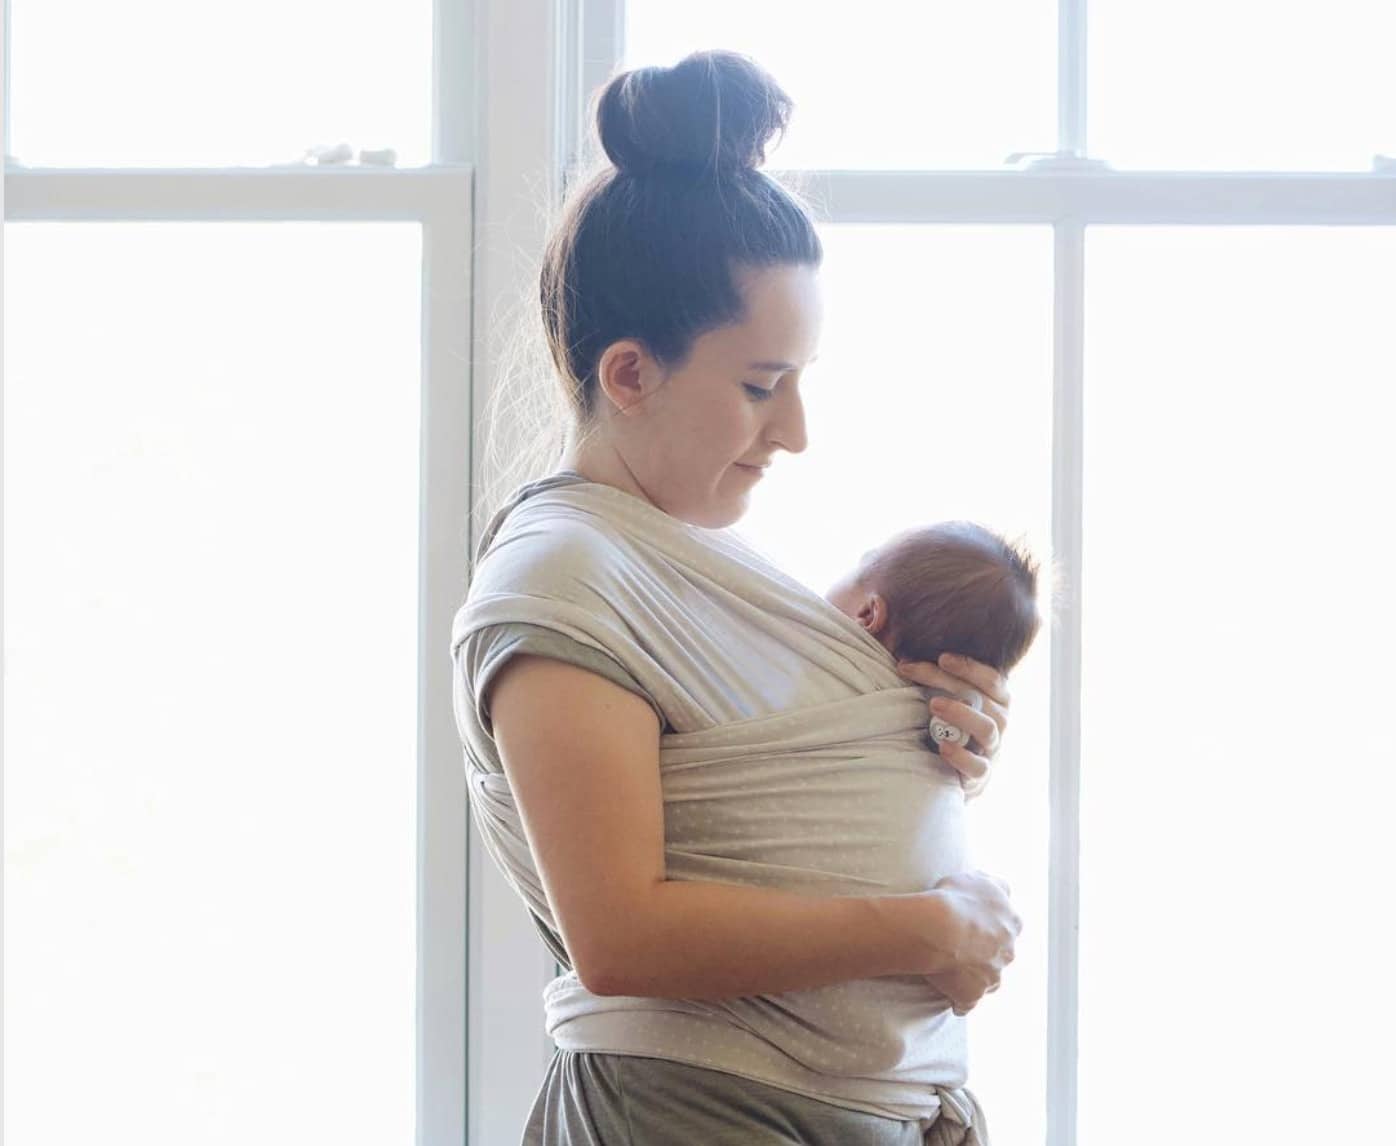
758 393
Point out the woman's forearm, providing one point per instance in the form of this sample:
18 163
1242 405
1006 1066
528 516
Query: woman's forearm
702 940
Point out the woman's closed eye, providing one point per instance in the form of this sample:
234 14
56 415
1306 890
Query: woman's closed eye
758 393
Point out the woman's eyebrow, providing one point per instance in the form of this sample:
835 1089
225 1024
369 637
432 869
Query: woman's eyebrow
780 367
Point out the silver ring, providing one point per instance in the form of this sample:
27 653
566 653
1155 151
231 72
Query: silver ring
944 733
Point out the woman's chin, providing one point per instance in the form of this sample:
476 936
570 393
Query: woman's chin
718 521
718 513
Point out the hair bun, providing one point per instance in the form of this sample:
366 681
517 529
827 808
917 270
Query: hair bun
712 111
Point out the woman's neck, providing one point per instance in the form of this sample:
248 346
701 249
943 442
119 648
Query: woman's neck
598 462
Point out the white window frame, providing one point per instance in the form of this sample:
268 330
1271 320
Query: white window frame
511 80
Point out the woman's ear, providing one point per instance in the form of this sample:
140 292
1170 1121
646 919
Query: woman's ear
624 373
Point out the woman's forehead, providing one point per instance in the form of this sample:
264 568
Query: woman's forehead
783 303
772 347
749 346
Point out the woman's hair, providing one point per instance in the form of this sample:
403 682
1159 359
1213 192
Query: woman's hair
647 246
957 587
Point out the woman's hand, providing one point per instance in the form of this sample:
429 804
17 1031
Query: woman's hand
985 926
985 722
963 989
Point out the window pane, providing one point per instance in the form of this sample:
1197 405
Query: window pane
211 506
1242 84
167 83
896 84
932 400
1236 782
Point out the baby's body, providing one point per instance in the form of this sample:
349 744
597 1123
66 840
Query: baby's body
952 587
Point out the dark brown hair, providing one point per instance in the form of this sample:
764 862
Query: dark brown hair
648 247
956 587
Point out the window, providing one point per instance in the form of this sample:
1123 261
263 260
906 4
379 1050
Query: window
211 852
237 459
1236 513
925 86
257 83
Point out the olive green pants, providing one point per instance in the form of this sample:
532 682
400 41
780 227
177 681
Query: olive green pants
624 1100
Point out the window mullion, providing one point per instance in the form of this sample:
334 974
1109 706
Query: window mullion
1071 77
1063 890
518 44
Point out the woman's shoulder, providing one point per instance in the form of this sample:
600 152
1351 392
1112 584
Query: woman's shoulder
546 548
509 509
541 542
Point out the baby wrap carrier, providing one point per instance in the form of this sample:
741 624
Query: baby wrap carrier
794 757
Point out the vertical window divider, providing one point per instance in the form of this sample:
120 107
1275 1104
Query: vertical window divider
525 84
1064 847
443 1069
1064 689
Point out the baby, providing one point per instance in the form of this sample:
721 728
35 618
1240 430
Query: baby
952 587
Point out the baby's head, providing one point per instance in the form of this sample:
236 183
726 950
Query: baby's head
952 587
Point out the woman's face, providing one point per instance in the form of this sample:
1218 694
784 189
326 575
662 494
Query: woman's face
693 444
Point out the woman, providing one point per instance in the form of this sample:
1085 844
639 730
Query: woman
735 990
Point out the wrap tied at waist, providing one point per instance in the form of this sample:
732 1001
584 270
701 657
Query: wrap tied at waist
960 1120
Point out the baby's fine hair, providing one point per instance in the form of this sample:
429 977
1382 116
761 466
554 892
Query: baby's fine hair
957 587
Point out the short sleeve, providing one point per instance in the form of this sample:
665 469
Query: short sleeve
487 651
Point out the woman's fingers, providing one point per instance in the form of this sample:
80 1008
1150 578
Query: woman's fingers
988 680
972 767
933 676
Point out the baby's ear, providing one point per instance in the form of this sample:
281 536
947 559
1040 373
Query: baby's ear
872 613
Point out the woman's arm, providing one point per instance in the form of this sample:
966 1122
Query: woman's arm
582 758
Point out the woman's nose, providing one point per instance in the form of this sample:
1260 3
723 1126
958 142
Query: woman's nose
788 425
